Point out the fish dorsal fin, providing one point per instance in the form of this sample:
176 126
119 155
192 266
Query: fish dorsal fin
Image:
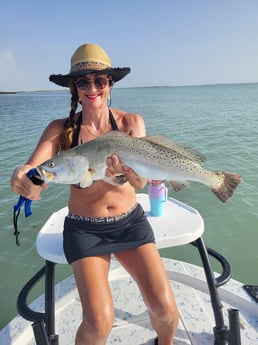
171 144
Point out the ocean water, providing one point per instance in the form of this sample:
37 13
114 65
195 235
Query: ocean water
218 120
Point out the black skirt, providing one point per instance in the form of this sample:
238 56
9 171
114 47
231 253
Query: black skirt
84 238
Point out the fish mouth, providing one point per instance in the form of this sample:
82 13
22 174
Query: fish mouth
45 174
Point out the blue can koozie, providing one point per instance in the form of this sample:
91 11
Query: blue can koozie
158 194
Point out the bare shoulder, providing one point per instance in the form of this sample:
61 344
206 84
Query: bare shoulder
56 125
131 123
52 132
48 144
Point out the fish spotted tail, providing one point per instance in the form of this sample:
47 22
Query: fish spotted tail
230 182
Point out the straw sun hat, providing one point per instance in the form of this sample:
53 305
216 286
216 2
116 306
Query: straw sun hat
89 58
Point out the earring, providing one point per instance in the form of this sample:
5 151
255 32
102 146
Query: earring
109 99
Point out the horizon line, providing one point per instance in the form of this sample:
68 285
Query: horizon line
132 87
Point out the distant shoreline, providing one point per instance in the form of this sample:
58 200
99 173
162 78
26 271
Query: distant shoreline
8 92
14 92
130 87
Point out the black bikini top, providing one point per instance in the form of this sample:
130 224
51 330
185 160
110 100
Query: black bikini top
79 122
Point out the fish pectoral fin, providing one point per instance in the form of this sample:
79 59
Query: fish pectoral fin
178 185
86 179
118 180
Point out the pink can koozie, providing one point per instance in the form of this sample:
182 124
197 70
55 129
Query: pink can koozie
158 194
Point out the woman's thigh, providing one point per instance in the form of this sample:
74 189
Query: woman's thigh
91 275
146 267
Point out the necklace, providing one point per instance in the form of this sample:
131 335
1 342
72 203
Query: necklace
94 134
99 132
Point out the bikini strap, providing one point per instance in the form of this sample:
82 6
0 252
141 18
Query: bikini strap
79 122
113 121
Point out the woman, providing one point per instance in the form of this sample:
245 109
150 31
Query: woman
103 218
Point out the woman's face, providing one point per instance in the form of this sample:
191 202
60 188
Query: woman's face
93 90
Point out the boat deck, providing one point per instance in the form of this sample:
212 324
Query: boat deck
180 224
131 322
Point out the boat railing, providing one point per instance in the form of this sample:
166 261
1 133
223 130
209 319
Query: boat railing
43 322
223 334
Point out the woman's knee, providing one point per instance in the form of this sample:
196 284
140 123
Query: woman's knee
165 313
163 308
98 326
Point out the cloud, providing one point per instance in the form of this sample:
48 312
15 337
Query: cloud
11 74
7 61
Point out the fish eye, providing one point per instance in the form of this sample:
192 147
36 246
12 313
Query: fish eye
51 164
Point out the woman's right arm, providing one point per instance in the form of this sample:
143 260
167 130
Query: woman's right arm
47 147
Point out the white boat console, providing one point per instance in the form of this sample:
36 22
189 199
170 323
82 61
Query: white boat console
180 224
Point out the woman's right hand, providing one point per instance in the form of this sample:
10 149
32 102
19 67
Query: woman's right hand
22 185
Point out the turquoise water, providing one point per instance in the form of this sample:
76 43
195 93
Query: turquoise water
220 121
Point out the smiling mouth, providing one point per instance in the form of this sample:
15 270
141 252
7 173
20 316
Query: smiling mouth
92 97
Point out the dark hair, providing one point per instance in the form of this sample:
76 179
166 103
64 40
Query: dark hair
70 124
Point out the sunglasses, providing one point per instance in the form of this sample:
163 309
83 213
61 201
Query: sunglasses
99 82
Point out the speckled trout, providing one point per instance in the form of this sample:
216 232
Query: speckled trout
154 158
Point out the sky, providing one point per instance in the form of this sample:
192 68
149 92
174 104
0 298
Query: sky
165 42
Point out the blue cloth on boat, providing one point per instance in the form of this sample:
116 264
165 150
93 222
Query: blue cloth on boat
84 238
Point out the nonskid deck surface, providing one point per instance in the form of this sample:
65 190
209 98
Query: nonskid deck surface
132 324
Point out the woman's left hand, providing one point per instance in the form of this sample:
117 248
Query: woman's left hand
115 167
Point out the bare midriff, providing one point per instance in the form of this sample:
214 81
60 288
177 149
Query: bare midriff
101 200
